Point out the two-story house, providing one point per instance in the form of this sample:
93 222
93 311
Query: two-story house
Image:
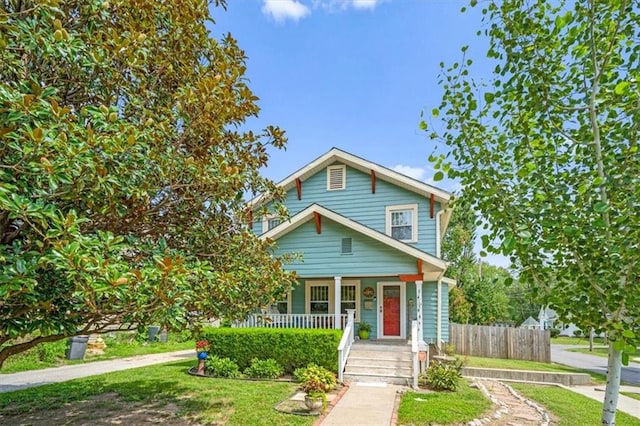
369 239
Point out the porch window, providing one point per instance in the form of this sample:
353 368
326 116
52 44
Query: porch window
402 222
320 297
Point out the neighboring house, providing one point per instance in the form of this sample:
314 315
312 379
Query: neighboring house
531 324
547 317
369 240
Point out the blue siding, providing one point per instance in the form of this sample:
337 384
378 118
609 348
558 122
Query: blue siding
445 312
322 257
429 312
370 315
358 203
297 298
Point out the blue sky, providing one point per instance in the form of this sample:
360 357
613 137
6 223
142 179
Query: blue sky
354 74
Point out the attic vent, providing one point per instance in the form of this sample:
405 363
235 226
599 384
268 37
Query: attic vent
336 177
347 246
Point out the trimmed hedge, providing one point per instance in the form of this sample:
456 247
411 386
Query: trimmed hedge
290 347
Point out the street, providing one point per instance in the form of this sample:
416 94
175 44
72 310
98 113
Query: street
561 355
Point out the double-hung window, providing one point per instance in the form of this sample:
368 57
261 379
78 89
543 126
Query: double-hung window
402 222
320 297
270 222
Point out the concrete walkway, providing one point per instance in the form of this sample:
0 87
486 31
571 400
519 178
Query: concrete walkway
370 404
562 354
625 404
28 379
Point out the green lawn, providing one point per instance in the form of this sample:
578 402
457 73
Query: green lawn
564 340
167 388
633 395
569 407
442 407
600 351
119 345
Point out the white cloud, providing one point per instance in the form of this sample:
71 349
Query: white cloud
341 5
417 173
365 4
281 10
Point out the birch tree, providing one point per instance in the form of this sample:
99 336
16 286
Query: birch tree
548 146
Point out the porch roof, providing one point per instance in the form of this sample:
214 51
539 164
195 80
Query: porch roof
433 267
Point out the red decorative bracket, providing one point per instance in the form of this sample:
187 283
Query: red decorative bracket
432 205
318 220
373 181
299 188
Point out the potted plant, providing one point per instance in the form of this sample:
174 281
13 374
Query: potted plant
202 351
363 330
315 381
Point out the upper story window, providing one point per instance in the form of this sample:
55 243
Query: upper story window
336 177
270 222
402 222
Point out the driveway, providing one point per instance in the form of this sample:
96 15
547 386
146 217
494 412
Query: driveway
561 355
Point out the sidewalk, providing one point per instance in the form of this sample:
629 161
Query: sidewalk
28 379
366 404
625 404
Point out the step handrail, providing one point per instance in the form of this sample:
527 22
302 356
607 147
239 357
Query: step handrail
344 348
414 352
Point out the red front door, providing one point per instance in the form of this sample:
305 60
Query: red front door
391 310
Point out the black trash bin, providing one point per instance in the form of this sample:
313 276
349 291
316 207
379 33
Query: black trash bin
76 347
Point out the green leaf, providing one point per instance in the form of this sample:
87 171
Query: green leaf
435 112
625 358
423 125
600 207
438 176
628 334
619 345
488 97
621 88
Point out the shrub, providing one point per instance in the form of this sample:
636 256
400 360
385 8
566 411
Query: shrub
222 367
292 348
315 379
450 349
364 326
577 333
554 332
442 376
264 369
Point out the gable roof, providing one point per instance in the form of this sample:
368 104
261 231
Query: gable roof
433 266
337 155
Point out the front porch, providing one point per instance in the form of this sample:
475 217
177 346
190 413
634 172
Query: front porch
325 321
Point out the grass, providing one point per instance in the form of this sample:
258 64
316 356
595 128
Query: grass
515 364
204 400
566 340
569 407
633 395
119 345
457 407
601 351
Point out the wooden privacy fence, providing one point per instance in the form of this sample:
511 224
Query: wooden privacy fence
501 342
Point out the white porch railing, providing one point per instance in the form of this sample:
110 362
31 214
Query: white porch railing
290 321
414 353
345 344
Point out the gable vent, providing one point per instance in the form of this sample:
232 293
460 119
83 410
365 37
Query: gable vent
347 246
336 177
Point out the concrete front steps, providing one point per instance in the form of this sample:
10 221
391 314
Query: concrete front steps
379 362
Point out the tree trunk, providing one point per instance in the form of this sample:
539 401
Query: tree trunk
614 368
591 333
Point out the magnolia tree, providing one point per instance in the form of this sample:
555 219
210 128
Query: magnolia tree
123 171
548 147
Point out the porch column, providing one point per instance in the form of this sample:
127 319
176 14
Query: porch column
337 302
439 318
419 310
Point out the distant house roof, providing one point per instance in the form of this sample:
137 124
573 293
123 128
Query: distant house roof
530 322
337 155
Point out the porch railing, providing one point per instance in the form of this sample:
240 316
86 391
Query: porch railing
290 321
345 344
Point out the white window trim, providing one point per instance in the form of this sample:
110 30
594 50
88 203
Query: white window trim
344 177
414 225
265 221
330 283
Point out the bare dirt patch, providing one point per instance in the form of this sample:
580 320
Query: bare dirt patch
104 409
